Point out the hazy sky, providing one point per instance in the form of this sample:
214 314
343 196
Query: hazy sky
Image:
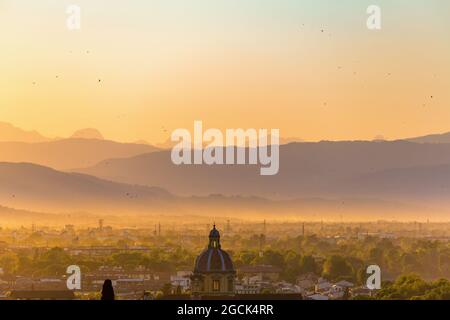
230 63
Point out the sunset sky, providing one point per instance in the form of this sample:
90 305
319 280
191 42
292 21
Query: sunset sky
230 63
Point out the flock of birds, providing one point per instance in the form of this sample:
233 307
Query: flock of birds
325 104
322 30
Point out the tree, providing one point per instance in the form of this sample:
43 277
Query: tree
273 258
405 287
9 262
292 266
308 264
336 267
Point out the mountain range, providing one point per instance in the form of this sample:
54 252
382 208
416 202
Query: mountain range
388 169
8 132
36 189
87 172
86 147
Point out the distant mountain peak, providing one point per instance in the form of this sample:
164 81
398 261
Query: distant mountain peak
10 133
88 133
379 138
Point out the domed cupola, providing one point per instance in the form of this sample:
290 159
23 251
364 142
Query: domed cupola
214 259
214 272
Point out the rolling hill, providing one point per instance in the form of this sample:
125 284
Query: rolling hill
324 169
33 187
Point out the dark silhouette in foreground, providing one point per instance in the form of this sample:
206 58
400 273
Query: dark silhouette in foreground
107 290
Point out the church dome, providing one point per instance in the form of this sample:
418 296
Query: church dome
213 259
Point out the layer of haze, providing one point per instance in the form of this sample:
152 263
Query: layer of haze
139 69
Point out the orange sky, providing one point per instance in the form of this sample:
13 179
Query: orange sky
162 66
